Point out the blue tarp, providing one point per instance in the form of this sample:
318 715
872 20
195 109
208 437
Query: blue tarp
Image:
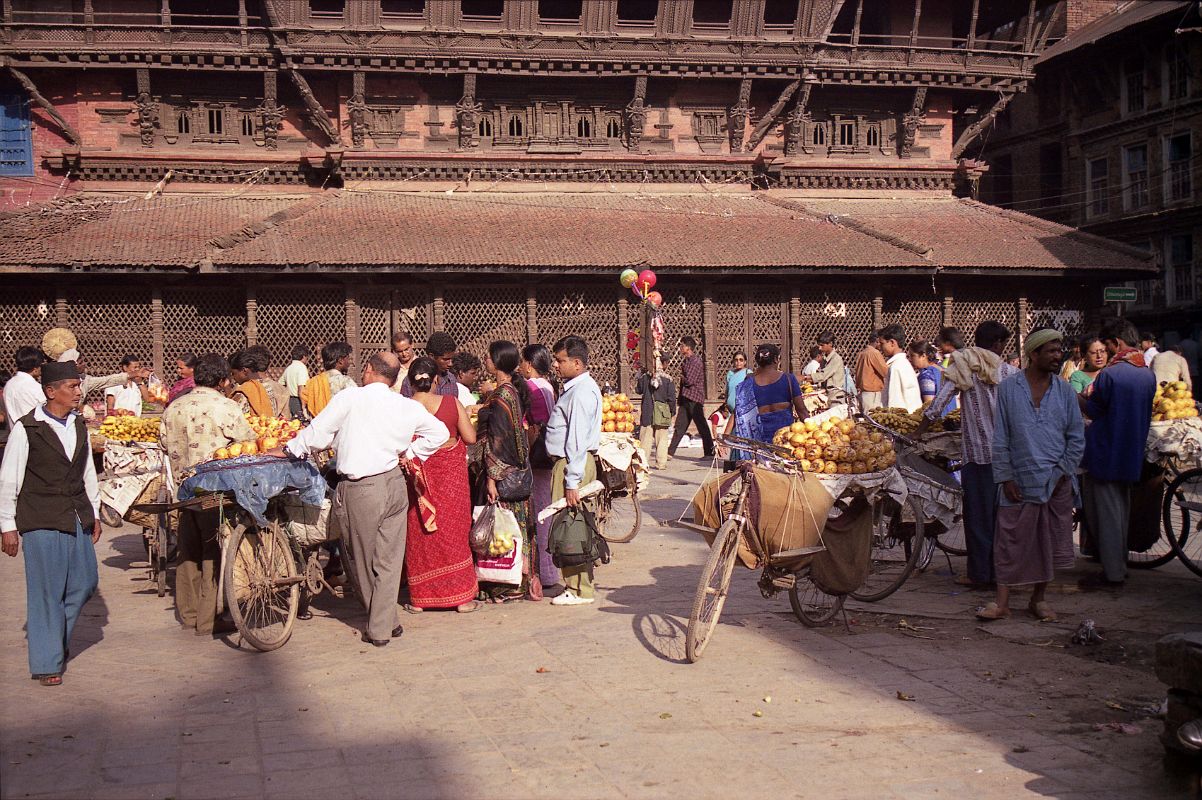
253 480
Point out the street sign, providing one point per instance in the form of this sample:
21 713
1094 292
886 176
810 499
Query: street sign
1119 294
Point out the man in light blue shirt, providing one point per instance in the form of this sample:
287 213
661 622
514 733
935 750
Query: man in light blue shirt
573 435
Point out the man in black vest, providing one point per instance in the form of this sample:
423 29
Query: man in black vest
49 499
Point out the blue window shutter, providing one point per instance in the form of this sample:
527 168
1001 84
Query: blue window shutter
16 136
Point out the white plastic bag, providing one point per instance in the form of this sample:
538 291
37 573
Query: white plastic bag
505 532
506 568
308 525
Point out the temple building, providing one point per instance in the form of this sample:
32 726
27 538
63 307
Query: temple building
201 174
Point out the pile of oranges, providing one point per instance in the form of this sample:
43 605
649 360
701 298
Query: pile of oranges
272 433
617 414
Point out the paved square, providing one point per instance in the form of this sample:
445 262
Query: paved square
528 700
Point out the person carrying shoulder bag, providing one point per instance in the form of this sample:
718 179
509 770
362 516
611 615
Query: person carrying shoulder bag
655 417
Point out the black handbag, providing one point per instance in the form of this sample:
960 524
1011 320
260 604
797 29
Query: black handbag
517 485
539 457
574 541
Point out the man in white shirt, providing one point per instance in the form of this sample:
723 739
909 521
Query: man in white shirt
901 382
23 392
130 396
49 507
373 430
1147 343
295 376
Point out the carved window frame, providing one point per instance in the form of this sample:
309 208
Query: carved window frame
192 118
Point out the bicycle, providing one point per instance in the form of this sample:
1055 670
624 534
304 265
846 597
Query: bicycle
1182 518
619 485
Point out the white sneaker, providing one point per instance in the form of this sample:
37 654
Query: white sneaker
569 599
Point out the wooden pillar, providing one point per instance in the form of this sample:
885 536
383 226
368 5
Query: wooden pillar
531 315
972 27
437 310
157 336
855 28
252 315
709 336
353 338
625 382
878 311
795 330
89 20
1024 320
165 13
60 306
948 302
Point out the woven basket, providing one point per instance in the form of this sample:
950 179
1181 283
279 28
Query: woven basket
149 495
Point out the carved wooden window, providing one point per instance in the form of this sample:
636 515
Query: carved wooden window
613 128
1177 69
482 10
780 15
485 128
559 10
873 136
403 9
847 133
819 136
637 12
1178 161
584 128
1135 189
712 14
327 9
183 123
516 128
216 120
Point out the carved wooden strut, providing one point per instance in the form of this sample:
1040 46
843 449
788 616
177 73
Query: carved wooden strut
769 119
467 110
316 113
147 109
911 121
270 112
45 105
983 124
799 117
356 108
636 113
738 116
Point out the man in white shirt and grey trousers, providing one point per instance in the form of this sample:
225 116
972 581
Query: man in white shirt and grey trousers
373 430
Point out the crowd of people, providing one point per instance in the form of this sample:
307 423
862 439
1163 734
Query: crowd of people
421 441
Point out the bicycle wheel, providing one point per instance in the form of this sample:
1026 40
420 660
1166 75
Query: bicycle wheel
162 544
612 521
951 541
1182 513
812 606
1146 499
712 589
897 545
261 586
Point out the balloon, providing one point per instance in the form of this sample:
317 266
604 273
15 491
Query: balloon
628 277
646 279
655 299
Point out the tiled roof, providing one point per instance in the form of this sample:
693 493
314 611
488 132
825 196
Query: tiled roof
573 231
1126 16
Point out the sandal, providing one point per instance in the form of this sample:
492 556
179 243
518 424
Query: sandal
1042 612
992 612
53 679
469 607
412 609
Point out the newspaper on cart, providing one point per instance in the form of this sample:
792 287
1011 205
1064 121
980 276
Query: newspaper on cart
621 451
1178 440
128 470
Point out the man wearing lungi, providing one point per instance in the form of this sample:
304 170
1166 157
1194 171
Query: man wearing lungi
372 428
1038 441
50 501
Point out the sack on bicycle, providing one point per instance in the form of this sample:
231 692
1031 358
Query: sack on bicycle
574 540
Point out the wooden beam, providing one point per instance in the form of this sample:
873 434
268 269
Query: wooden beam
972 25
45 105
914 25
1029 33
770 118
970 134
855 28
316 113
1047 28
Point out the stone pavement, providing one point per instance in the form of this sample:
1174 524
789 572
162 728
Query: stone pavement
529 700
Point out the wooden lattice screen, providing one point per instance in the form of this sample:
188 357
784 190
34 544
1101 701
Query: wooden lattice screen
25 316
968 313
590 312
202 320
845 312
109 324
477 316
375 320
744 319
1062 314
921 319
292 315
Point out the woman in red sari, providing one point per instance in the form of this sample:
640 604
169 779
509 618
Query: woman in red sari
439 561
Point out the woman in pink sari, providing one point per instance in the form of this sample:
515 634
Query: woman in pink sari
438 559
536 368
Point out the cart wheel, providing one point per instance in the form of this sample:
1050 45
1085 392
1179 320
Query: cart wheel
896 548
261 587
951 541
813 606
1182 512
712 590
607 523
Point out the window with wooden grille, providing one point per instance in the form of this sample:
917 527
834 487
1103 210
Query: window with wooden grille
402 9
327 9
820 135
613 128
847 133
584 128
485 128
1177 71
1135 188
1178 163
1181 279
482 10
216 120
516 127
183 122
248 125
1099 186
638 12
873 136
16 136
1133 85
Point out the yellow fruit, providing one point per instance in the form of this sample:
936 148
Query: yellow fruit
831 468
235 449
809 425
859 467
818 464
222 452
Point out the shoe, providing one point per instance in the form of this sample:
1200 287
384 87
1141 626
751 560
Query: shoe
397 631
992 612
368 640
1098 582
1190 735
554 590
569 599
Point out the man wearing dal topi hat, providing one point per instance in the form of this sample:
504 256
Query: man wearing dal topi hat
50 501
1038 441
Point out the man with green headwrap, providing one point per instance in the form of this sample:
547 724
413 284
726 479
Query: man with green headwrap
1038 441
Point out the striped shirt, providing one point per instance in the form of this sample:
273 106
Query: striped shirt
978 406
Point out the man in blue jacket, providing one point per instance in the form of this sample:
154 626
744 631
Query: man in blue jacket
1119 405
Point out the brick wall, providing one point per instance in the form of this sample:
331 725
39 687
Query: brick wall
1082 12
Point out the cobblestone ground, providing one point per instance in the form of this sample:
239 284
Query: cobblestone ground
529 700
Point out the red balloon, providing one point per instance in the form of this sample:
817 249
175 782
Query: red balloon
646 279
655 299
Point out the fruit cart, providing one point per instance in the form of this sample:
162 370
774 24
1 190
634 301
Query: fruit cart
810 532
623 470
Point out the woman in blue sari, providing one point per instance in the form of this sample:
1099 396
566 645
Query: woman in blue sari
766 401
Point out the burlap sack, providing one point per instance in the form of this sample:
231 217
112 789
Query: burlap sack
843 566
